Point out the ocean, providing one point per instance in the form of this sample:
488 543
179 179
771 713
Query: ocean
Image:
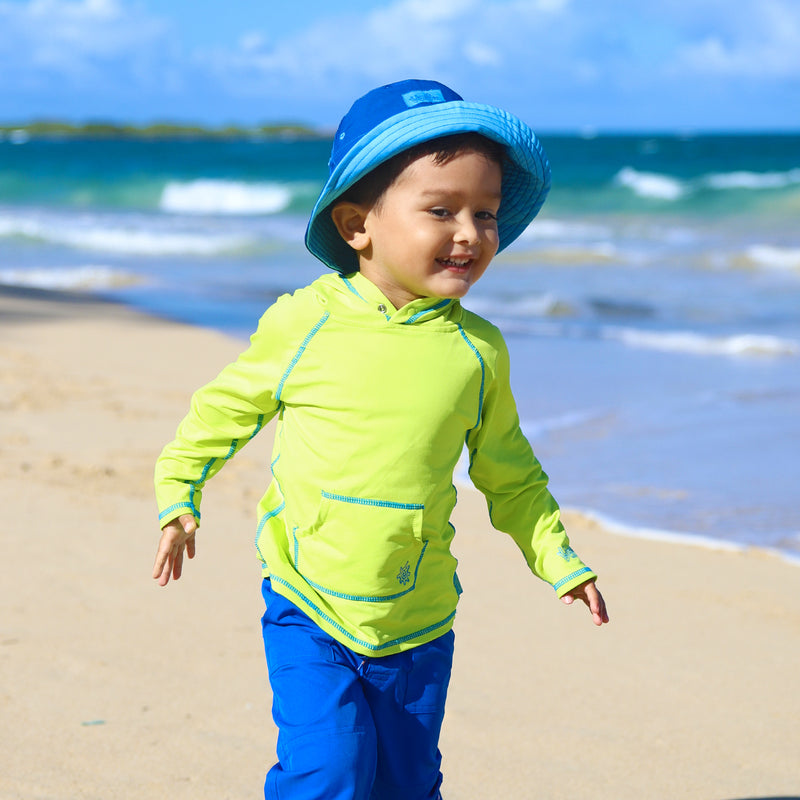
652 310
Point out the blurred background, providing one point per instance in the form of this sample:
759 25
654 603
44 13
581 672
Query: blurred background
167 154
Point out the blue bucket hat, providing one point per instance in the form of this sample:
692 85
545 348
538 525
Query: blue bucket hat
393 118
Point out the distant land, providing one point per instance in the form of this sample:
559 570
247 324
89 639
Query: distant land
55 129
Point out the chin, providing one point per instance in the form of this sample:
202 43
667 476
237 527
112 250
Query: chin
454 292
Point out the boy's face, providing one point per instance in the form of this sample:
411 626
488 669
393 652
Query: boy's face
434 230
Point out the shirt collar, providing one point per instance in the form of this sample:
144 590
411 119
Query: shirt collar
420 310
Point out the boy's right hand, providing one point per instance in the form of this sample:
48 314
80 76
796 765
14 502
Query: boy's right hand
176 536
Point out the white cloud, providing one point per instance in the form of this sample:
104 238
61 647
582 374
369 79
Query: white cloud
75 39
597 62
481 54
252 42
421 11
543 57
763 42
448 40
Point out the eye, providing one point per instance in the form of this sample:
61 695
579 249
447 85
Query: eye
439 212
485 216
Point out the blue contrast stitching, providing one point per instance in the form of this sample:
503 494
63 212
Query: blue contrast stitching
363 501
350 636
483 378
570 577
197 484
269 515
175 507
359 598
352 288
261 523
430 310
299 353
259 426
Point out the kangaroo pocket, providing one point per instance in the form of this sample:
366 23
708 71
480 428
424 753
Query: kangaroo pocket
361 549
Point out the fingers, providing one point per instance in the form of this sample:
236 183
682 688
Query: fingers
165 562
597 605
594 601
176 536
177 562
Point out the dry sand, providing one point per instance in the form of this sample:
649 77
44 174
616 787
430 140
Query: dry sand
113 688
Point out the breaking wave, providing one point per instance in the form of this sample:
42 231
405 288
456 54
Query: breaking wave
208 196
141 237
773 257
741 345
660 186
88 277
651 184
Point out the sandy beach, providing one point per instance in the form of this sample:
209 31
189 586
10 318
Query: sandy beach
111 687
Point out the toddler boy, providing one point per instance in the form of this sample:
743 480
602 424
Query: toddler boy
379 379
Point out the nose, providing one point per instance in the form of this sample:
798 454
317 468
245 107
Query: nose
468 231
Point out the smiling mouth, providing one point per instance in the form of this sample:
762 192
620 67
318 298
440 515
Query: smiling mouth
455 263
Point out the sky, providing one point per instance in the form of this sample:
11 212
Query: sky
561 65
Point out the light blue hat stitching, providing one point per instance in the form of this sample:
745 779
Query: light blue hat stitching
526 179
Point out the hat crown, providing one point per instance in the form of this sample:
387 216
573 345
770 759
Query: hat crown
381 104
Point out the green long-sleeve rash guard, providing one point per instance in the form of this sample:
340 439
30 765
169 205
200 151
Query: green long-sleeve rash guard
374 408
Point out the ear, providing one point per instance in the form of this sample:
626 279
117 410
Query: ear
349 219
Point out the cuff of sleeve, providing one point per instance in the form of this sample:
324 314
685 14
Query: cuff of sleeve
176 509
575 578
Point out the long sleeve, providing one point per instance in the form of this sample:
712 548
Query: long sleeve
504 468
225 414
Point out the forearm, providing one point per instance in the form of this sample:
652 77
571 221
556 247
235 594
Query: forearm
221 421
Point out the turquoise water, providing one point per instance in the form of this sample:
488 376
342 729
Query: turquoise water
652 310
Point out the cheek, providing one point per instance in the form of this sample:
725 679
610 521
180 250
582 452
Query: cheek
490 245
476 275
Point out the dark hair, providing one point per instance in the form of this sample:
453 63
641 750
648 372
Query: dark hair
370 189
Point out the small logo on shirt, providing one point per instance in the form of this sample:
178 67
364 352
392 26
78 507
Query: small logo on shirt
567 553
404 576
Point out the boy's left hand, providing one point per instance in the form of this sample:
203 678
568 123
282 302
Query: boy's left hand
591 596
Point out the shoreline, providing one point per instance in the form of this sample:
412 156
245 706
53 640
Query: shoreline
138 692
678 538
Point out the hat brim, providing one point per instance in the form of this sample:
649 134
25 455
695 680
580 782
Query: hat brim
526 173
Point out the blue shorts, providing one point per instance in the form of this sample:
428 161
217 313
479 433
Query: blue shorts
352 727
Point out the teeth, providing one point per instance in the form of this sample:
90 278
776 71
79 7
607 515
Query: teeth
456 262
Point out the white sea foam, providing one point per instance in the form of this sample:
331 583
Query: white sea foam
651 184
666 187
19 136
659 535
107 236
88 277
618 528
751 180
566 231
772 257
575 254
208 196
523 306
744 345
563 242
